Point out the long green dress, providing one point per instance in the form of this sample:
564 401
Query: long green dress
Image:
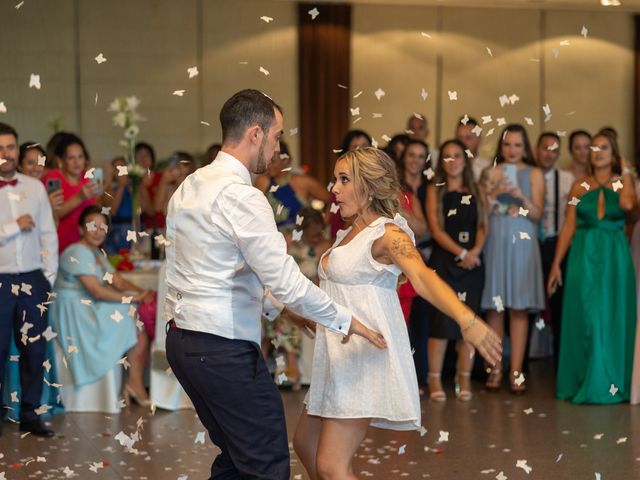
599 309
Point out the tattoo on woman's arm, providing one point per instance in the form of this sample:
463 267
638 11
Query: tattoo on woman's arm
403 247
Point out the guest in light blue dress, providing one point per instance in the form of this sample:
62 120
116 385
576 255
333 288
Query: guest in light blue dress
95 326
513 270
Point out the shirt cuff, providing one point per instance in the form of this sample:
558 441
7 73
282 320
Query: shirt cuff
342 322
271 307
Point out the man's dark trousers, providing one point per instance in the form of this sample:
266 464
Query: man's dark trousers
14 311
237 402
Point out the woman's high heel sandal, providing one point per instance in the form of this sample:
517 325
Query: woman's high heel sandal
461 394
436 394
495 379
517 387
130 394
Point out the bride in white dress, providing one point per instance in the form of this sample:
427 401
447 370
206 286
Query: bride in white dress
353 384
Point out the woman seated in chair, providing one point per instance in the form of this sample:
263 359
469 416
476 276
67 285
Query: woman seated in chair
94 312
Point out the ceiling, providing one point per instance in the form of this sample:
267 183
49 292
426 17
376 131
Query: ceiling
585 5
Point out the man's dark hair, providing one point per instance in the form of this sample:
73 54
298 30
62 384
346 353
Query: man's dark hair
553 135
8 130
245 109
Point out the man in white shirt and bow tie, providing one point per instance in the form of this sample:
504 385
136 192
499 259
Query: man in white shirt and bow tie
224 249
28 267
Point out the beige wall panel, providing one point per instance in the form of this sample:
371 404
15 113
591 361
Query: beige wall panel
590 83
38 39
236 43
480 78
389 52
149 45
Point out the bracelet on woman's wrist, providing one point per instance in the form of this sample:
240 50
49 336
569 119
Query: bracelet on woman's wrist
461 255
471 323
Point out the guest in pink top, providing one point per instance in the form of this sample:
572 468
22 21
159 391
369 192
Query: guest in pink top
78 192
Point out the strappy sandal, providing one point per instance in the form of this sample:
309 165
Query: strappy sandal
463 395
436 394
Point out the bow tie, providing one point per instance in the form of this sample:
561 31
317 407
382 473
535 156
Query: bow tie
4 183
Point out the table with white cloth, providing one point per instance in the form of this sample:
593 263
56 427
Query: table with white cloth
165 390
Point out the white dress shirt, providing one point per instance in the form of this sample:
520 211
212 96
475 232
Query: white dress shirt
224 250
553 205
22 251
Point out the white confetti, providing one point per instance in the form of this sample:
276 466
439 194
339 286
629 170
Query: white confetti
424 94
523 465
25 288
314 13
528 120
127 300
584 32
266 19
501 121
497 301
124 362
452 212
489 51
621 440
355 111
513 98
466 200
34 81
524 236
613 390
523 212
617 185
379 93
42 409
487 119
334 208
91 226
100 59
274 188
401 450
574 201
462 296
453 95
504 100
296 235
86 301
116 316
131 236
177 93
540 324
528 411
3 108
193 72
122 170
293 131
519 378
501 476
477 130
108 277
429 173
49 334
444 436
41 160
565 43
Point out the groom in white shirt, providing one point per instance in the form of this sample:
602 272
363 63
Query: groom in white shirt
224 250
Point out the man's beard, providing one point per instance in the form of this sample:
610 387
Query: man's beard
261 166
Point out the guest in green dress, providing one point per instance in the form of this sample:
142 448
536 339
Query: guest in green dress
95 327
599 309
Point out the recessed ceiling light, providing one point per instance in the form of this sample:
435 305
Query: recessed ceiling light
610 3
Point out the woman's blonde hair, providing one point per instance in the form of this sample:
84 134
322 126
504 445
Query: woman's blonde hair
375 179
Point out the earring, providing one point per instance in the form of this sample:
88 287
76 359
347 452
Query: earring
370 198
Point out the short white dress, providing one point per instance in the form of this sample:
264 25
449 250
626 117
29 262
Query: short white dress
357 380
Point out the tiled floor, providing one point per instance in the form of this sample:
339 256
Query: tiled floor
491 434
